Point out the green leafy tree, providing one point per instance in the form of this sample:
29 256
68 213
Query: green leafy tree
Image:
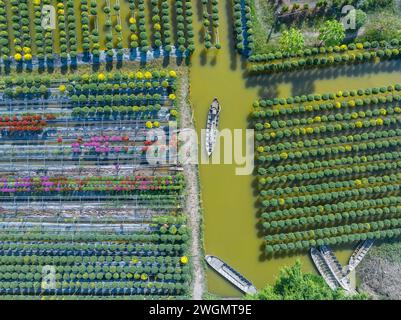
291 41
360 18
293 284
332 33
374 4
383 26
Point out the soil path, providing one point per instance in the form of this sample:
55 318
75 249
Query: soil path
192 206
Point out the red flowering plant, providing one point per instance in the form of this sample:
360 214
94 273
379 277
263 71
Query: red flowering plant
27 123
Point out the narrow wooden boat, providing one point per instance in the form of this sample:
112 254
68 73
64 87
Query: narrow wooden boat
323 269
212 126
230 274
359 253
335 267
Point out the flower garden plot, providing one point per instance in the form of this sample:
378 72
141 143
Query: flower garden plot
91 27
77 192
328 168
99 125
103 117
96 263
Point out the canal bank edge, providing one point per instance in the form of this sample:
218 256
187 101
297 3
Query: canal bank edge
193 200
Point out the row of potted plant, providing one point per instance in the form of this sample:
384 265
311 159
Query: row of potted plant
20 26
102 184
139 82
4 36
156 26
134 37
39 32
131 87
28 118
143 39
101 144
125 179
211 23
113 42
118 77
117 152
26 123
117 100
344 54
185 31
86 41
337 100
67 30
337 49
165 25
49 39
117 112
243 31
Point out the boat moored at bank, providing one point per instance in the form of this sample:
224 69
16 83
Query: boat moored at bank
230 274
212 126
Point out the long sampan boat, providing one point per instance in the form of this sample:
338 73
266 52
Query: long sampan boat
230 274
212 126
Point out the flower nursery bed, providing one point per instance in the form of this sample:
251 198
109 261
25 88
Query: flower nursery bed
97 263
329 167
88 30
77 190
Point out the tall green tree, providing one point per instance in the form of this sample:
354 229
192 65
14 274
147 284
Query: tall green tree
332 33
293 284
291 41
360 18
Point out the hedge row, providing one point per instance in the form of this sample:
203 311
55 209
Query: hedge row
328 60
243 31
